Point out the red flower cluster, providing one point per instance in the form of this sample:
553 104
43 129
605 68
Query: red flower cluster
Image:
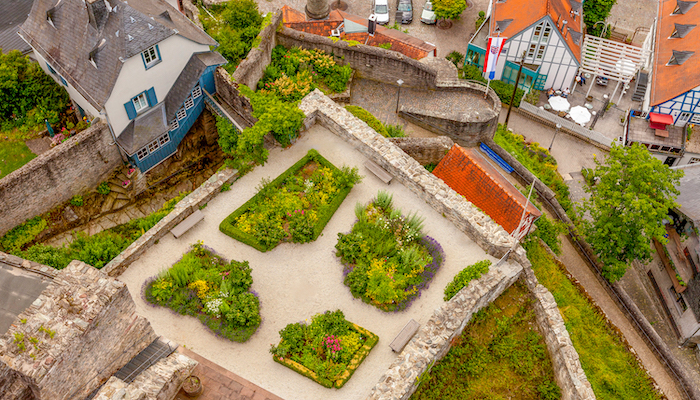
332 343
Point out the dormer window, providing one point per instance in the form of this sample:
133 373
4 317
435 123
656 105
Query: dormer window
683 7
681 30
679 57
151 56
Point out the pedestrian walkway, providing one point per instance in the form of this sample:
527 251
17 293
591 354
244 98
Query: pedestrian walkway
218 383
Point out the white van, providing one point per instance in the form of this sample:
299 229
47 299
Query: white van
381 10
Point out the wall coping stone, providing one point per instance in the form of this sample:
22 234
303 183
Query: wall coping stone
28 265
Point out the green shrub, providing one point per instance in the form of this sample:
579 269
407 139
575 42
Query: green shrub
505 92
479 20
612 370
473 72
395 130
430 167
549 230
533 96
386 46
457 58
103 188
77 201
22 234
369 119
465 276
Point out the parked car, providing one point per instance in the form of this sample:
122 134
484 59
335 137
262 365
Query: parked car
404 11
428 15
381 11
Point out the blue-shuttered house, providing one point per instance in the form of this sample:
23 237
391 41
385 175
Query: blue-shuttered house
141 66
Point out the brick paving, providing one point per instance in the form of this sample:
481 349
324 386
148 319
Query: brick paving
218 383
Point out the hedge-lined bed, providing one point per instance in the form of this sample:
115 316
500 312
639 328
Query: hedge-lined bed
328 351
205 285
295 207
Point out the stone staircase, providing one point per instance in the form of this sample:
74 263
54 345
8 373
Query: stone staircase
640 88
120 196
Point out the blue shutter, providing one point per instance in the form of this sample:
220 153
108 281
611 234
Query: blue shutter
53 71
130 110
158 52
143 58
63 81
151 96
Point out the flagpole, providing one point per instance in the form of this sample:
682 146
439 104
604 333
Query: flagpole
488 82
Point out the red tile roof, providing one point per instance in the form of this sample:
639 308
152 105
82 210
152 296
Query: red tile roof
400 42
670 81
524 13
469 174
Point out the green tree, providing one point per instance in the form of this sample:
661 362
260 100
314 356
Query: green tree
633 195
595 11
449 9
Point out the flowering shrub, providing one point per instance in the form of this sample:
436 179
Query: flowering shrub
387 259
295 207
293 73
328 350
206 286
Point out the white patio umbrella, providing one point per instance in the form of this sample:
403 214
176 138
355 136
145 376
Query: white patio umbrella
559 103
580 114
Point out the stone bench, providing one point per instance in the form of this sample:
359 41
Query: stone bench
404 336
379 172
187 223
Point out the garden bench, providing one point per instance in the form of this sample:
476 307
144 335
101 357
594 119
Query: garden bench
379 172
187 223
404 336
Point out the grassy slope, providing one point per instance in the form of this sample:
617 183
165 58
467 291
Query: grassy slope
13 155
613 371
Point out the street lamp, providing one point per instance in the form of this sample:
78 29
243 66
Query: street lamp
398 94
554 137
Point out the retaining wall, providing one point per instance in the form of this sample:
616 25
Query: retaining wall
80 163
252 68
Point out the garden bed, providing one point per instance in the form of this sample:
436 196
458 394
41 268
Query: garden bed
328 350
387 259
500 355
295 207
204 285
613 371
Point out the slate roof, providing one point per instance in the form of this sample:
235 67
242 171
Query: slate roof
670 81
524 13
471 175
12 15
120 33
149 126
406 44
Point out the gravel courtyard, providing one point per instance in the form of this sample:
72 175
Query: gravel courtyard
296 281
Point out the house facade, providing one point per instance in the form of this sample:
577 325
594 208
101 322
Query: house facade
142 66
675 64
547 32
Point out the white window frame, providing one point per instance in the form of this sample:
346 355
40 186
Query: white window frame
150 56
140 102
163 139
189 103
143 153
196 92
174 125
153 146
181 113
694 160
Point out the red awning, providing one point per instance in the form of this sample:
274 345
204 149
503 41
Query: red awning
661 118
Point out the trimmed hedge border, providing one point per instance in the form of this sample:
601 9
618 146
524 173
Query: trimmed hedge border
360 355
227 225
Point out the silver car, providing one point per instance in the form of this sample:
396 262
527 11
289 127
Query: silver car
428 15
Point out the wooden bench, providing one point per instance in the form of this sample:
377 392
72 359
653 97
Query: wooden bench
379 172
404 336
187 223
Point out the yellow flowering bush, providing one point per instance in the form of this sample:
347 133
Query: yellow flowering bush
201 287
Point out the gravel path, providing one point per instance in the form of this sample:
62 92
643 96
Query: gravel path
295 281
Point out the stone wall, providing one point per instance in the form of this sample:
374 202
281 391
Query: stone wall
252 68
424 150
80 163
478 226
368 61
227 90
78 332
433 340
30 266
183 209
567 368
161 381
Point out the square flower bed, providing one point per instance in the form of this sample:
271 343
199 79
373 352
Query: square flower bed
206 286
387 259
328 350
295 207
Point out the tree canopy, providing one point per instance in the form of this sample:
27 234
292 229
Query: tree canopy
595 11
449 9
27 94
633 194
